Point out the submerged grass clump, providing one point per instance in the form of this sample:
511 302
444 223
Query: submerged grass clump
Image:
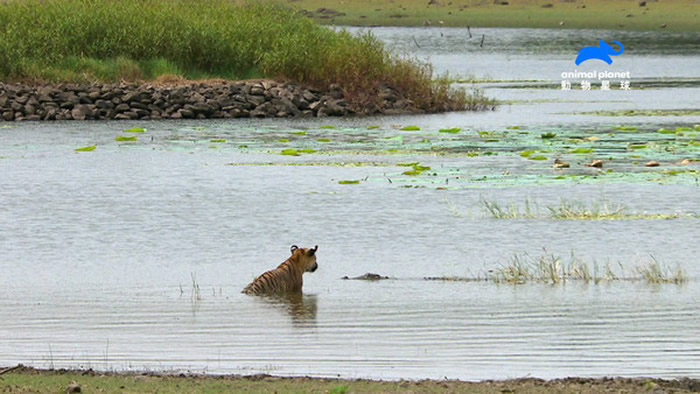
550 268
575 210
130 40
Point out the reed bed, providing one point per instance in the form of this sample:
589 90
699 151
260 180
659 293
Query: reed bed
573 210
130 40
550 268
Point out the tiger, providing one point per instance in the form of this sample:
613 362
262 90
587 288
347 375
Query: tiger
287 277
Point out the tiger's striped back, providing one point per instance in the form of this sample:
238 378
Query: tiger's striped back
288 276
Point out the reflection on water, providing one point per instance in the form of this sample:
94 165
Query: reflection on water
301 308
98 248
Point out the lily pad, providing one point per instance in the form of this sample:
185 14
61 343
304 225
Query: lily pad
638 146
452 130
372 126
327 126
410 128
122 138
582 150
537 158
283 140
548 135
135 130
218 140
349 182
299 132
86 148
324 140
289 152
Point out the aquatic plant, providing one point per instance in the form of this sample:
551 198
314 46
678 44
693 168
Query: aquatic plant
135 130
348 182
581 150
372 127
410 128
86 148
575 210
510 212
289 152
326 126
417 169
654 272
123 138
324 140
548 135
220 140
550 268
452 130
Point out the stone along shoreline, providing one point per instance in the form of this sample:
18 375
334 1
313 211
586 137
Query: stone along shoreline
248 99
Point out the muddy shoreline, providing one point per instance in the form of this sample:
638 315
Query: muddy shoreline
21 378
196 100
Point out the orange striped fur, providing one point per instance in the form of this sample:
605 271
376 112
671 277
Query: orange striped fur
287 277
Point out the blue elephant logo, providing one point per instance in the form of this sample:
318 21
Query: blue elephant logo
601 52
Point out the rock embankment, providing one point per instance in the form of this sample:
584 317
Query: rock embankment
249 99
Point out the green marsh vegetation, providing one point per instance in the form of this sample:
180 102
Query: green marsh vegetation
574 210
132 40
553 269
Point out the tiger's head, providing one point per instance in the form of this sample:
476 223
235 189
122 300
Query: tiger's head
304 258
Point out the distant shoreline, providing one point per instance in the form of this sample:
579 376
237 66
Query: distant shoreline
21 379
640 15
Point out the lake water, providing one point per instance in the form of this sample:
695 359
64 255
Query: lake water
132 256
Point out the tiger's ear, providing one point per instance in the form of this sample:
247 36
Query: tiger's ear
293 248
313 251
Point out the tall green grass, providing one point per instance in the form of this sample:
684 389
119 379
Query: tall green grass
113 40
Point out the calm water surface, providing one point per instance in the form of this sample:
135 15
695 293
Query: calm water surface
132 256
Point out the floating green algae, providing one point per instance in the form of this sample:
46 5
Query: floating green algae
298 132
348 182
373 126
218 140
410 128
86 148
513 127
324 140
122 138
135 130
548 135
283 140
327 126
537 158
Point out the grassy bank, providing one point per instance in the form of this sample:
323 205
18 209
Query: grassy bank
131 40
24 380
672 15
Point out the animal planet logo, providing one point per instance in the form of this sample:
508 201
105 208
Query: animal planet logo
601 52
